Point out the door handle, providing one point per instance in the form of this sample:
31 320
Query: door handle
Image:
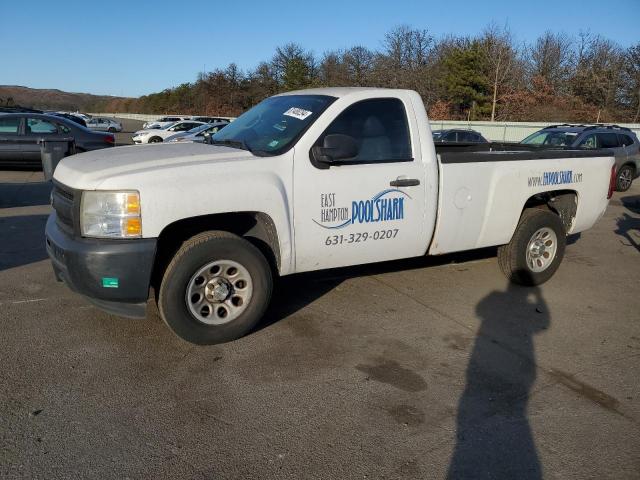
404 182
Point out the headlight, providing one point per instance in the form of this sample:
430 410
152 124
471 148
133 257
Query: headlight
110 214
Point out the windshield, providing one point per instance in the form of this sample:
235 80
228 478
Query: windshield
550 137
274 125
198 129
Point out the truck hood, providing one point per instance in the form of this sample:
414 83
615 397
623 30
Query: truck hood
88 170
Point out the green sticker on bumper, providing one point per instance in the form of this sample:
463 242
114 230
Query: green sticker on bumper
109 282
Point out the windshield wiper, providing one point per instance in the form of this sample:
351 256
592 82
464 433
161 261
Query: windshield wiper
241 144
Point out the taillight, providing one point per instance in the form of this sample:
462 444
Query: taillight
110 139
612 182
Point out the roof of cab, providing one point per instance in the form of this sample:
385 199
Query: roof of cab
339 91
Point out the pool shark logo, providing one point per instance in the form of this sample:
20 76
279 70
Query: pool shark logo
385 206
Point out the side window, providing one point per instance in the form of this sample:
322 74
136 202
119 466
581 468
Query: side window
625 140
379 128
608 140
468 137
40 126
64 129
451 137
9 125
588 142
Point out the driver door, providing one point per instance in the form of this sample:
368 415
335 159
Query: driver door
367 208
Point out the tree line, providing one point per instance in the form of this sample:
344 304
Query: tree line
489 76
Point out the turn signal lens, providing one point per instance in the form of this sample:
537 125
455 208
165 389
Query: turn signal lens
133 204
133 227
612 182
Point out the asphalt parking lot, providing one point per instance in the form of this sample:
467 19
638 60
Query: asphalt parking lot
424 368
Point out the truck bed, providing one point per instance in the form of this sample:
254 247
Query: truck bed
483 188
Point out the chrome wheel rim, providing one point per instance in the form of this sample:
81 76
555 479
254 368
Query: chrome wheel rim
541 249
625 178
219 292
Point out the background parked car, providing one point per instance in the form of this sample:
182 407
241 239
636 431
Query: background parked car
622 141
210 119
458 135
154 135
163 122
70 116
20 134
104 125
197 134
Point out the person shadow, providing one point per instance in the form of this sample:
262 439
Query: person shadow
494 439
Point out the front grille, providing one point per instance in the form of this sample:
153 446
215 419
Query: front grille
65 203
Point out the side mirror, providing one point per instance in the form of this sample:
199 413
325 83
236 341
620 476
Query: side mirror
335 147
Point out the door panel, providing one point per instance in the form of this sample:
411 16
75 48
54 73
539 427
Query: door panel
36 129
368 208
10 151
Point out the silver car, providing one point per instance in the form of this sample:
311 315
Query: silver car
620 140
104 125
197 134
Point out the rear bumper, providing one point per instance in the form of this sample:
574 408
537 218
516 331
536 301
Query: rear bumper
113 274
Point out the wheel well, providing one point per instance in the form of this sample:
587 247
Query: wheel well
629 164
563 203
256 227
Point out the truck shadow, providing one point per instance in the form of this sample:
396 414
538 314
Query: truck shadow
24 194
294 292
628 226
22 240
493 436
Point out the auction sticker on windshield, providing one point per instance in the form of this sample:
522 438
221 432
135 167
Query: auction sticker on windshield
299 113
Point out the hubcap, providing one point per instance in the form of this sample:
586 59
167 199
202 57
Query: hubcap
625 178
541 249
219 292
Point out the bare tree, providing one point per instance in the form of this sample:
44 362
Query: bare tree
500 54
552 58
631 79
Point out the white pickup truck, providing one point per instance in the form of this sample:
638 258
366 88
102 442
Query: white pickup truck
304 181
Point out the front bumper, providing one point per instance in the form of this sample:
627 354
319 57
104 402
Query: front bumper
113 274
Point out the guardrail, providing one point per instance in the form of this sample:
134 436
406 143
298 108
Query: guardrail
494 131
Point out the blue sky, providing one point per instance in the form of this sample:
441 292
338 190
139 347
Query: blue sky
132 48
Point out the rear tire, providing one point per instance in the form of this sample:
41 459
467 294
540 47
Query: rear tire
216 288
536 249
624 179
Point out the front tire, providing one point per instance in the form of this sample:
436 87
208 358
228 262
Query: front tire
624 178
155 140
216 288
536 249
